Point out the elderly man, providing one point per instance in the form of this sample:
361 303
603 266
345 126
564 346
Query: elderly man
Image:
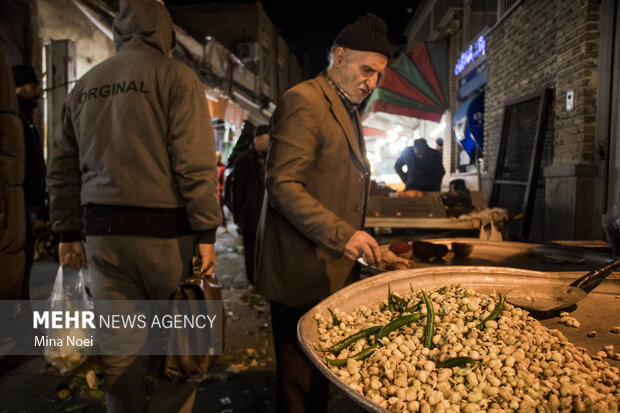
134 161
317 180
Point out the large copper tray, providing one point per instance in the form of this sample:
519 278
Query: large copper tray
599 311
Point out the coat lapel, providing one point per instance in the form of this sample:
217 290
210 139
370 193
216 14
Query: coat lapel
343 119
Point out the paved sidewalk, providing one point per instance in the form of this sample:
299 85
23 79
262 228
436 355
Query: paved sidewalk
243 380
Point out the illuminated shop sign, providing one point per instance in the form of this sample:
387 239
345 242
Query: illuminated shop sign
469 55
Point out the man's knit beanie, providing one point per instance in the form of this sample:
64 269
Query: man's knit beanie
368 33
23 74
261 130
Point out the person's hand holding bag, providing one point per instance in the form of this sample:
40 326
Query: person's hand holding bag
72 255
206 253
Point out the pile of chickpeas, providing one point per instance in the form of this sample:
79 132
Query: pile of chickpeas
520 365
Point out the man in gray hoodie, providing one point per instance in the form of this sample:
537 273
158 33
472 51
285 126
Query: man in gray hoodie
134 168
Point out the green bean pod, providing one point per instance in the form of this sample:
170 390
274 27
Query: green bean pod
413 308
401 302
341 345
499 307
430 321
397 323
394 300
457 362
335 319
362 355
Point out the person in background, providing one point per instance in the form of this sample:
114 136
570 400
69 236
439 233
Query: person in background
439 146
29 93
134 167
243 143
12 211
424 167
221 171
248 189
317 183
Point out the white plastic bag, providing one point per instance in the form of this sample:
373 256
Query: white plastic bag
61 354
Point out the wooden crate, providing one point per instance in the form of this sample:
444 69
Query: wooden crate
427 206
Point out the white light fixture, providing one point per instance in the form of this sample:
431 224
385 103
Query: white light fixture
440 128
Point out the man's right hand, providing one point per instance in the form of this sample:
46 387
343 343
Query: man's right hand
362 244
206 253
72 255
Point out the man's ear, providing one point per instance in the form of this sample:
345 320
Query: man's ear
339 55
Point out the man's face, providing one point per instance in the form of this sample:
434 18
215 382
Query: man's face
31 92
357 72
261 143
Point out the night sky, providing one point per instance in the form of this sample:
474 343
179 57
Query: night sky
310 26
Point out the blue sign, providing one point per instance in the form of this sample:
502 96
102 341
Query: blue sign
473 80
468 125
469 55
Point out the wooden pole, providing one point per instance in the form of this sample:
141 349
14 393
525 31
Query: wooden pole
61 73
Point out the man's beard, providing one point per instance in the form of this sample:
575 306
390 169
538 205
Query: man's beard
27 105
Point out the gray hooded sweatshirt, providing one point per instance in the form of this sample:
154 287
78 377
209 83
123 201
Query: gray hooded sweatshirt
136 144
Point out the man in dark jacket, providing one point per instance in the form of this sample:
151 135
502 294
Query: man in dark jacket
248 189
12 217
424 167
135 150
29 93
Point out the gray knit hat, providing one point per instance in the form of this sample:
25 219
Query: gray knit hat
368 33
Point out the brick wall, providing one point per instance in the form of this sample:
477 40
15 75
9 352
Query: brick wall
546 44
551 43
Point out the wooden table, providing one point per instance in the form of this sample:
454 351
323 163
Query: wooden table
423 223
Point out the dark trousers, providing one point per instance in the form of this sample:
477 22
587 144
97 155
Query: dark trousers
138 268
249 250
301 386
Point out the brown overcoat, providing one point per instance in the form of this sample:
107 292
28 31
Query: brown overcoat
317 178
12 207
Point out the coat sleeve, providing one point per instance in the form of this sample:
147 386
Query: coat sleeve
191 147
438 170
294 146
240 176
398 166
64 180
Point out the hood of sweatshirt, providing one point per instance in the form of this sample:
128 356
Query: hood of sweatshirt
143 22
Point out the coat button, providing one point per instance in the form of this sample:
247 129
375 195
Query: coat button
358 208
360 178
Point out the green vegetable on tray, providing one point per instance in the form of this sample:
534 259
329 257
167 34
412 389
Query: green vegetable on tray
335 319
429 332
457 362
499 307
